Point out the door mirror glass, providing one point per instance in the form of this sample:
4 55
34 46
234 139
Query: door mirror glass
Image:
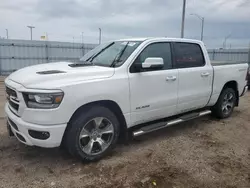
153 63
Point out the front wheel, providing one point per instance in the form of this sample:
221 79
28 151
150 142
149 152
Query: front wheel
93 134
225 104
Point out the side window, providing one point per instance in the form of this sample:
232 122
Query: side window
161 49
188 55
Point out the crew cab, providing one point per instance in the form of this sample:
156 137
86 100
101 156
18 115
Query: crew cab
131 85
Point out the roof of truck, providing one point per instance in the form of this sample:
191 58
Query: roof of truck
160 38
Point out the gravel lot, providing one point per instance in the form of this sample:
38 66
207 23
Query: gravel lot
201 153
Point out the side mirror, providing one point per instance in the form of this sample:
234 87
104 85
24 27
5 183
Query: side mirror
153 63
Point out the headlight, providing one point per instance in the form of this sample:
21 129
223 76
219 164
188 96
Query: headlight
43 100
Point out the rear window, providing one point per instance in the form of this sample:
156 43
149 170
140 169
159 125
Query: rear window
188 55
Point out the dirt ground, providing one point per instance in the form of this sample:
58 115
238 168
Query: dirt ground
204 152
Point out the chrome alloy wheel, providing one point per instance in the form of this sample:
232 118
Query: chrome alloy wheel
228 103
96 136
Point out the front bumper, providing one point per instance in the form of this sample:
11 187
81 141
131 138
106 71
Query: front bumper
244 91
21 129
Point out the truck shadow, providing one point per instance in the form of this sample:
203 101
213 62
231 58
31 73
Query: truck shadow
44 155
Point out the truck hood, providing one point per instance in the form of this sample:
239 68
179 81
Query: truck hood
55 75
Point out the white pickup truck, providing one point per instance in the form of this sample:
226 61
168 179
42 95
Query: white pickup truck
133 85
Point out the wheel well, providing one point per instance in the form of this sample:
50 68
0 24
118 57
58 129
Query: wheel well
112 106
233 85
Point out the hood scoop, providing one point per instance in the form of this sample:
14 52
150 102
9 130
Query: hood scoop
50 72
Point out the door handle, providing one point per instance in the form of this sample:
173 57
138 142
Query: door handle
205 74
171 78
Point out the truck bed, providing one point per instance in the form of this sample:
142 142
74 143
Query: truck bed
225 71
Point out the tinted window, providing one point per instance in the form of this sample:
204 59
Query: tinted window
162 50
188 55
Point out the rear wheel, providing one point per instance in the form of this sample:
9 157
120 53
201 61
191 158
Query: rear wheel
225 104
93 134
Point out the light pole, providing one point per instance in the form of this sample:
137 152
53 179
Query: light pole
7 33
183 18
82 37
225 41
31 27
100 35
202 23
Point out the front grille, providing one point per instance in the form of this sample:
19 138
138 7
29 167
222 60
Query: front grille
14 105
11 92
12 98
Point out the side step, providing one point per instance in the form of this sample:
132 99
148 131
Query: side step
161 125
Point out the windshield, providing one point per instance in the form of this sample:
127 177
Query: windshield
112 54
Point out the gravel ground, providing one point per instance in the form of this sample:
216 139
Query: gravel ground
204 152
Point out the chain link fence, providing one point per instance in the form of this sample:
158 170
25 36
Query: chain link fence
230 54
16 54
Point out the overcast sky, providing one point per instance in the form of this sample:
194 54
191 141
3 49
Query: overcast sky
65 19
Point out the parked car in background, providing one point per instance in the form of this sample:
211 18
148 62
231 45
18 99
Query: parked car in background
138 85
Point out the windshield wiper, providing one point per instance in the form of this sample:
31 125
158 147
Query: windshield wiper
93 57
118 56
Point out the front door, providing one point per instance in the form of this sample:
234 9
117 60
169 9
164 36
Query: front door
153 93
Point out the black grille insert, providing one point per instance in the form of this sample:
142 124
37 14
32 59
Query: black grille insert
12 124
14 105
20 137
12 98
11 92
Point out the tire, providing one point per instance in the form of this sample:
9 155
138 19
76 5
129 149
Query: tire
225 105
89 124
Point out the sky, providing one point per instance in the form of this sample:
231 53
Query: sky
65 20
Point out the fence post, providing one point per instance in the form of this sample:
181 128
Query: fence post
249 54
47 51
213 54
83 50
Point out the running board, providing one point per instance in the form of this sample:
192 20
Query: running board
161 125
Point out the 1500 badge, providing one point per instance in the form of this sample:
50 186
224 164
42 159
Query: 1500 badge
141 107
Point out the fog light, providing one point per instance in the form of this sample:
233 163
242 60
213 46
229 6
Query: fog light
41 135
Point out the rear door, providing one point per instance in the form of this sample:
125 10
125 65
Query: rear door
153 93
195 76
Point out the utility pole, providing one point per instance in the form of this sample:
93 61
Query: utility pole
202 23
183 18
82 37
202 28
31 27
100 35
225 41
83 50
7 33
